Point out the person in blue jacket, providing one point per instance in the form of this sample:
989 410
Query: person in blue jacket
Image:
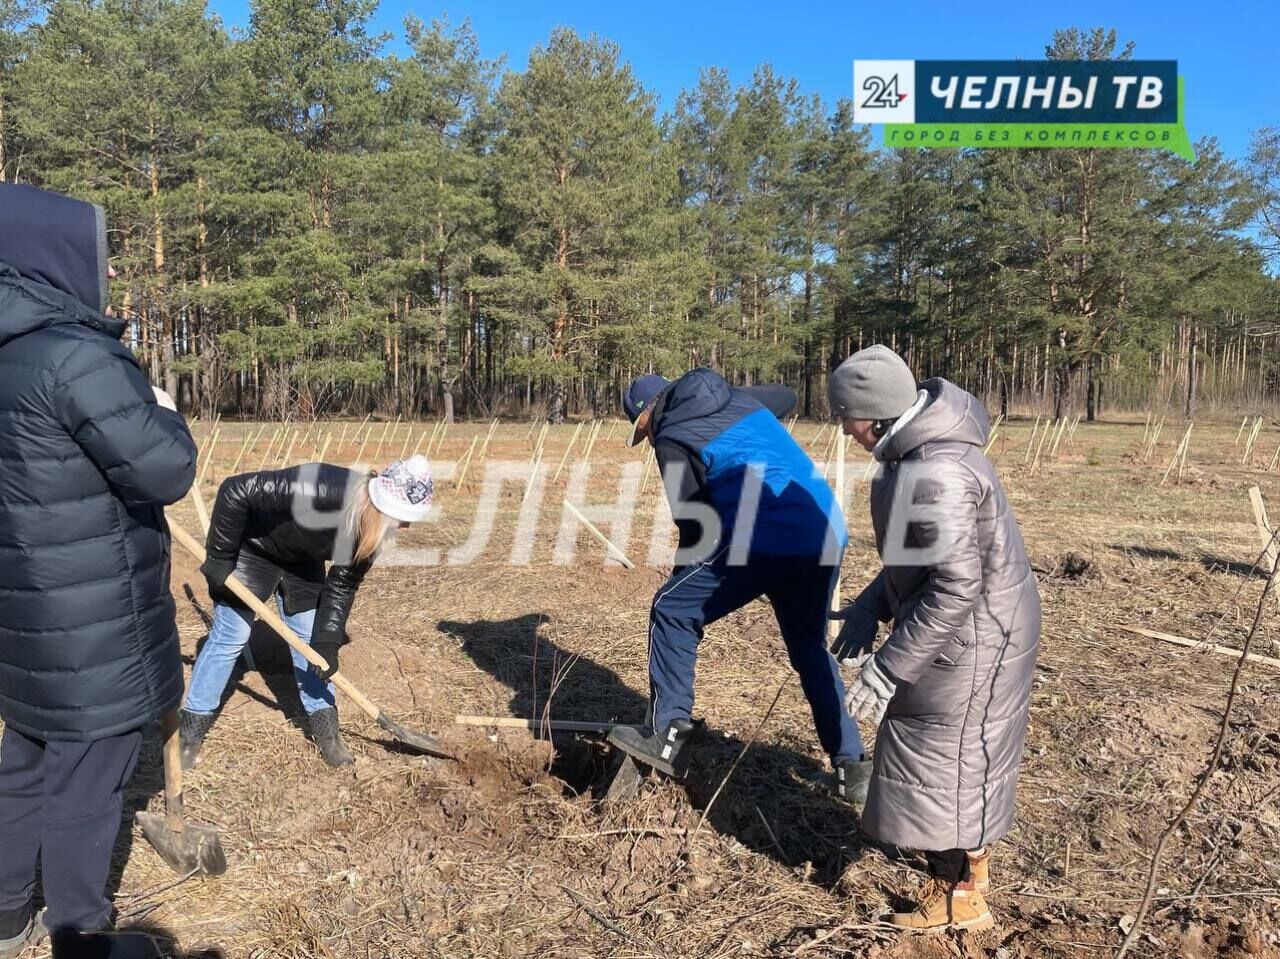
755 518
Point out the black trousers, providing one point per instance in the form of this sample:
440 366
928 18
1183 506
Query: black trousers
60 805
950 864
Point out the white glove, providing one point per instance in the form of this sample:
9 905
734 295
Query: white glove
164 399
869 696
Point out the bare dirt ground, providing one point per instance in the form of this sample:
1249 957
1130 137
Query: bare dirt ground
512 853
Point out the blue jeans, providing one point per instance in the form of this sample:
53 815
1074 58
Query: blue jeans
227 637
799 589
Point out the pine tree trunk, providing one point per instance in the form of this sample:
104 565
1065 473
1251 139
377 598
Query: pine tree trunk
1191 373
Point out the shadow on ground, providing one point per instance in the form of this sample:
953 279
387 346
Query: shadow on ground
776 801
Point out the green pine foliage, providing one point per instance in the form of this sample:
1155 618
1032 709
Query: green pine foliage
309 218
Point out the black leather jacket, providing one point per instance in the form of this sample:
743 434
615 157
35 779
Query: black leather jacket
280 527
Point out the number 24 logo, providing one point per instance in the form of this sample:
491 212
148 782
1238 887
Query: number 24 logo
883 94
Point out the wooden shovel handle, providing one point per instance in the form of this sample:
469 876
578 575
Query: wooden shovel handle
272 619
172 770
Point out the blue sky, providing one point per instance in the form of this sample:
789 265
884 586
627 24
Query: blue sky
1220 46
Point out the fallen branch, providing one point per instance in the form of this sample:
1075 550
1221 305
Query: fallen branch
1196 644
641 942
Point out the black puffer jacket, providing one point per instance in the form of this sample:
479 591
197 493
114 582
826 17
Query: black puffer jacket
280 527
88 645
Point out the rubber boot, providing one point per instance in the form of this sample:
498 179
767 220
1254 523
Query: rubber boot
852 780
326 734
192 728
663 751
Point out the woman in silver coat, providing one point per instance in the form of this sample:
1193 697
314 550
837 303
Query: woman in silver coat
950 687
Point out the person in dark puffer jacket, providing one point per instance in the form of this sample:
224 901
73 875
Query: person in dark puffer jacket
88 643
275 530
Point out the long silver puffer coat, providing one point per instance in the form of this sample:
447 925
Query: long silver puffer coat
965 610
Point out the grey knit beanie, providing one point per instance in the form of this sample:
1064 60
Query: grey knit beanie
873 384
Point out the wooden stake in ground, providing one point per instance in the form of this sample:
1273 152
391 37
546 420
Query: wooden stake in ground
618 554
1244 422
1247 459
830 451
208 455
466 463
991 437
592 435
324 449
537 444
567 450
1048 428
648 468
484 448
262 463
359 458
284 462
1057 438
444 431
1151 444
1265 533
1146 427
833 626
383 439
1179 456
1031 442
533 475
249 441
822 430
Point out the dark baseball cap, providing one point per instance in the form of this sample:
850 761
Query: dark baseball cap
639 396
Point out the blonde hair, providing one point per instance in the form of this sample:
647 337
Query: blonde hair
365 525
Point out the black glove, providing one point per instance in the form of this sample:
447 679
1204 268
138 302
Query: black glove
217 569
856 636
327 645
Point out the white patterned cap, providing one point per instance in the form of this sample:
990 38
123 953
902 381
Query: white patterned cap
404 490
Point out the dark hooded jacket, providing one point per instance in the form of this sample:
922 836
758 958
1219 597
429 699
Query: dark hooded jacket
965 610
714 443
88 642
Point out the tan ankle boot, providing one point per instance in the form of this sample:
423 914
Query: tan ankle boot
944 906
980 869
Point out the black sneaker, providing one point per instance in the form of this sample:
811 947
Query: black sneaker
852 780
663 751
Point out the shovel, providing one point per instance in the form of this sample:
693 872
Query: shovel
190 848
419 742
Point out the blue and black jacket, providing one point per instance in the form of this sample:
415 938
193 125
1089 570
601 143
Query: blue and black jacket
710 438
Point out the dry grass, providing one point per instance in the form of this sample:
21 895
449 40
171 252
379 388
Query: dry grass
502 856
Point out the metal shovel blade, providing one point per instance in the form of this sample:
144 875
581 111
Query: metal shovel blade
420 742
190 848
627 779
